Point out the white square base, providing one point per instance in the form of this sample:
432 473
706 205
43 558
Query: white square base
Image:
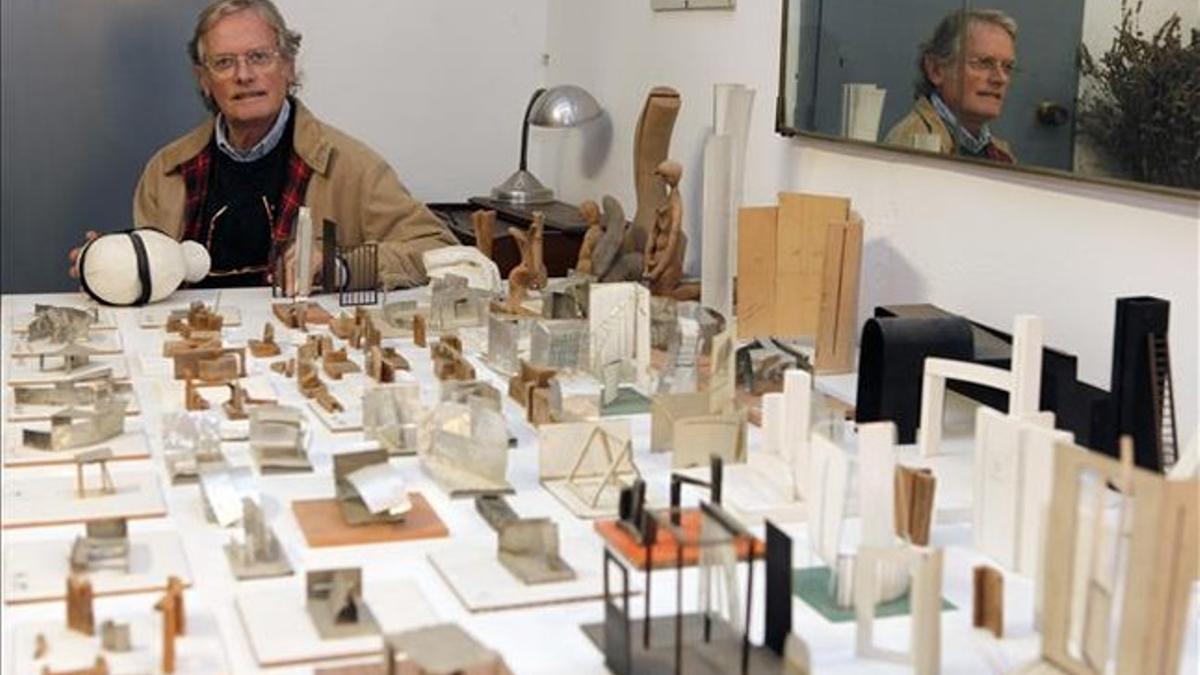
35 571
22 412
36 502
281 633
156 317
25 371
130 445
100 341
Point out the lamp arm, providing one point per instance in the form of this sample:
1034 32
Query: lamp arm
525 125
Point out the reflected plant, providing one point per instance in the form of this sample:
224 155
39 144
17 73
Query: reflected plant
1142 102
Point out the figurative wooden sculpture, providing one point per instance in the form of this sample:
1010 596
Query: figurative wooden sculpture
663 263
484 222
530 273
616 257
651 142
80 616
590 212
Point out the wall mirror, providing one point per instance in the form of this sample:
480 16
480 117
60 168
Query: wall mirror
849 70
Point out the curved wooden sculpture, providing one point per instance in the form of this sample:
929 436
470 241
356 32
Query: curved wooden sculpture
651 142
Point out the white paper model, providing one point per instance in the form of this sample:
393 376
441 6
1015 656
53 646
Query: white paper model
619 328
467 262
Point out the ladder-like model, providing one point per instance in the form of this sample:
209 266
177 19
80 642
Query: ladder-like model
1164 399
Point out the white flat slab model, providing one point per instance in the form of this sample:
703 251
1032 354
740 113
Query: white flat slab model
348 392
99 341
281 633
38 502
199 650
156 317
483 584
34 571
26 371
29 412
130 445
171 393
105 319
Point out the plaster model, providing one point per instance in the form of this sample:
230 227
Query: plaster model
223 490
441 648
77 427
483 222
391 416
114 637
590 212
566 298
619 328
1012 480
467 454
449 361
1099 621
73 358
527 547
73 394
368 489
1023 381
335 603
504 341
191 443
467 262
258 554
925 596
454 304
59 325
104 546
560 344
114 269
278 439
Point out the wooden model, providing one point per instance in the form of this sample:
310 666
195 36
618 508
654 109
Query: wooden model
987 605
418 330
80 616
383 362
266 347
315 347
667 243
190 344
449 363
235 407
1157 546
300 313
98 667
484 223
115 637
590 212
914 492
174 621
651 143
338 363
311 386
99 457
528 379
196 319
278 439
211 365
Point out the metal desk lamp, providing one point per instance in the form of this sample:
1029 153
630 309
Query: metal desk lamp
562 106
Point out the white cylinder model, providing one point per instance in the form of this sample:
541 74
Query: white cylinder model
139 266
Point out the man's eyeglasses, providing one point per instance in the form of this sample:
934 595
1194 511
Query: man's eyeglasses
987 64
224 66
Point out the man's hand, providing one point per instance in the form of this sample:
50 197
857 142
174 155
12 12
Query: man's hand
73 254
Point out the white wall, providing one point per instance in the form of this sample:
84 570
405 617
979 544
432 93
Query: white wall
981 241
438 87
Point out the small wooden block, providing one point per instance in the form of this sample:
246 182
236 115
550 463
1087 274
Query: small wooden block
914 494
664 549
988 596
322 523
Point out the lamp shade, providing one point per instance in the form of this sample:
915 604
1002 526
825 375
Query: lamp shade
563 106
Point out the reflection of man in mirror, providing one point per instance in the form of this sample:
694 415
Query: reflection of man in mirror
964 73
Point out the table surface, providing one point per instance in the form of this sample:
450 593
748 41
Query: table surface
533 640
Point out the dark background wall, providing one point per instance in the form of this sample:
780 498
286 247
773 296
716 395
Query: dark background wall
88 91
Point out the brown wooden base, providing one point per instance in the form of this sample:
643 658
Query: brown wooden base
664 549
322 523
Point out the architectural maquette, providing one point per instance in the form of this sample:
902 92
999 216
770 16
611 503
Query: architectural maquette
468 449
104 546
258 553
368 489
335 603
279 439
619 330
527 547
89 392
191 444
454 304
392 416
78 427
586 464
60 325
196 320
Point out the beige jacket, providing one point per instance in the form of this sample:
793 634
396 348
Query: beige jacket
350 185
922 122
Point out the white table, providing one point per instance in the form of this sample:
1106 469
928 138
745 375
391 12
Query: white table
533 640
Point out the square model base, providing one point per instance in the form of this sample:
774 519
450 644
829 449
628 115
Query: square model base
323 525
721 655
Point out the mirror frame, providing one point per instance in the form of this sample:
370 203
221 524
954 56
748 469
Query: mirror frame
782 128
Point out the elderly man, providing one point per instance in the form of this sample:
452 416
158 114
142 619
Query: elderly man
236 182
964 73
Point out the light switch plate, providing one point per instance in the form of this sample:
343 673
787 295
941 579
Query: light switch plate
669 5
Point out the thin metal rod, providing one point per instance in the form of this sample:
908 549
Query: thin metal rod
525 125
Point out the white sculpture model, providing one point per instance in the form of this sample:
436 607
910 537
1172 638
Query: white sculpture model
139 266
465 261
